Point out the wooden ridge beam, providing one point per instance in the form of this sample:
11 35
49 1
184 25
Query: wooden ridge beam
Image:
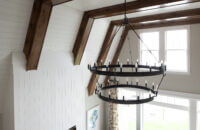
165 23
162 16
134 6
118 50
58 2
102 55
38 24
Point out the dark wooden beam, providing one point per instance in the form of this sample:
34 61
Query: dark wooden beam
118 50
102 55
82 38
36 32
134 6
162 16
58 2
38 24
165 23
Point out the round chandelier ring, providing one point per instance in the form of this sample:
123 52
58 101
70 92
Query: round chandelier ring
151 97
147 70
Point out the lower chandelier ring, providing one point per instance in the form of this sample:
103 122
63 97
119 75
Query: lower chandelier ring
150 98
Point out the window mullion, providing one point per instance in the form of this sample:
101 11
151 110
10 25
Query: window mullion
193 114
139 117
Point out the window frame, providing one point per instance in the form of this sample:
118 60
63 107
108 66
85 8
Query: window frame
192 108
187 27
162 45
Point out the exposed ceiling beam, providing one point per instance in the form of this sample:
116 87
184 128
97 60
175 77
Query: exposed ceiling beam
118 50
134 6
102 55
58 2
162 16
38 24
82 38
166 23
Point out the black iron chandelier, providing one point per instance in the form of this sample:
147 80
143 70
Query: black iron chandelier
129 69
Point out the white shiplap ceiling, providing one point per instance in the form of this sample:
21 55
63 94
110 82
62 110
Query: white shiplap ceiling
84 5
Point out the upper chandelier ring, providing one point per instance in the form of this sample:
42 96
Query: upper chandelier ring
119 70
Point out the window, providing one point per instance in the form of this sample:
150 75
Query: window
176 50
159 115
167 44
127 114
162 118
151 42
166 112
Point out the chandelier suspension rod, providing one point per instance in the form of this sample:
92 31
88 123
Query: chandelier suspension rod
125 7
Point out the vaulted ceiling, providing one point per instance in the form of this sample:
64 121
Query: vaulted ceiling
143 14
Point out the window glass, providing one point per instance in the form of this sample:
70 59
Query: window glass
126 113
164 118
172 100
176 50
151 42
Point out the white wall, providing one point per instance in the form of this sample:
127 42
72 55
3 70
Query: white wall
46 98
14 19
52 98
8 103
188 83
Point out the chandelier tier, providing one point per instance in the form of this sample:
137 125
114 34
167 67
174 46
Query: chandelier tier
152 94
129 69
111 70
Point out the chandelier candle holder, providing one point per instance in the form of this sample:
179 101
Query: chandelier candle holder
129 69
140 70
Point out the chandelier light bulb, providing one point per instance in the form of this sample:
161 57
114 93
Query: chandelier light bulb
137 82
153 86
138 97
136 65
156 88
127 61
146 83
161 62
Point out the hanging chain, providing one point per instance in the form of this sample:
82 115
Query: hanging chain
130 51
138 36
125 7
